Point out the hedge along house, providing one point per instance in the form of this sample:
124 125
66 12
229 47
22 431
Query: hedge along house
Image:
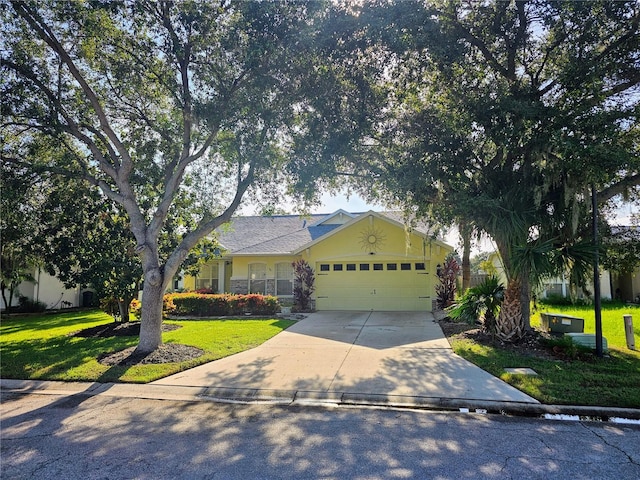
363 261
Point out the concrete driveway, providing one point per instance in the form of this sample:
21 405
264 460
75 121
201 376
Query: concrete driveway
376 353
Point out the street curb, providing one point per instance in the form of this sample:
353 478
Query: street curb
316 398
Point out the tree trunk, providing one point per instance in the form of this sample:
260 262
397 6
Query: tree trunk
123 307
525 302
509 324
7 305
489 323
151 320
465 231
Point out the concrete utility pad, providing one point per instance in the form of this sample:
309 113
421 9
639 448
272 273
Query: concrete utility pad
521 371
378 353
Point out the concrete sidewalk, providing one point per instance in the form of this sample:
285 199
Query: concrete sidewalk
333 354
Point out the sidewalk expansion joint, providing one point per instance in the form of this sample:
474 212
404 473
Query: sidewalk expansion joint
335 377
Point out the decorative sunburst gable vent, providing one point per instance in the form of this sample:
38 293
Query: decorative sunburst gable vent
372 239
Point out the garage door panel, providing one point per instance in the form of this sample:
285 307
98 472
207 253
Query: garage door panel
372 290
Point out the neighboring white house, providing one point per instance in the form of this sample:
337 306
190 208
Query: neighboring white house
626 286
560 285
50 291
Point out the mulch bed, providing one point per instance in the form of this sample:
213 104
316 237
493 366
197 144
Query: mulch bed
533 344
165 353
115 329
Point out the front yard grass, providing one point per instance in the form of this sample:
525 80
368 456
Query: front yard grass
611 381
43 347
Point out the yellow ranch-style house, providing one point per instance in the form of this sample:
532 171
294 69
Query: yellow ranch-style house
362 261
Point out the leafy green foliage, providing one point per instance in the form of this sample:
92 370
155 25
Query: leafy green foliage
27 305
19 226
500 115
480 303
621 247
175 110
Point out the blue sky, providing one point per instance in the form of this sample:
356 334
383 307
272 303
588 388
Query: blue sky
355 203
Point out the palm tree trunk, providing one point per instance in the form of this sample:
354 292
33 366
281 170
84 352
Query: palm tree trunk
509 324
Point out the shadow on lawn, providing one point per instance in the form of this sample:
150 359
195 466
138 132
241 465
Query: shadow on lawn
11 325
31 359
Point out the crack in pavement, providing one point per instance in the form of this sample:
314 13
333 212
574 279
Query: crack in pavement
606 442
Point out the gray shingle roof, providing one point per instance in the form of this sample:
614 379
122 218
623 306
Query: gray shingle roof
281 234
272 235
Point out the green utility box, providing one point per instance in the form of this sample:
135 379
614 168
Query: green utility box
558 323
587 340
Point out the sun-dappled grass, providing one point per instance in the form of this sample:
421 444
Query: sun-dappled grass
611 381
44 348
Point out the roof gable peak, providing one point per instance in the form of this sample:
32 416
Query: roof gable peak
339 217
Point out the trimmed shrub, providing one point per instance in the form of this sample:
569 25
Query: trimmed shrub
205 305
28 305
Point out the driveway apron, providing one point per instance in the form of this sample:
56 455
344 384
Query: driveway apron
380 353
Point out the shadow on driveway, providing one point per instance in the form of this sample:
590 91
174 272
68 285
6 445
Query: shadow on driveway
378 353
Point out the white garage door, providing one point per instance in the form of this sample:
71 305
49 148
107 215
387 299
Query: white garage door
381 286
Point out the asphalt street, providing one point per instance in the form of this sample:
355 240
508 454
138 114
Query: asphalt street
99 437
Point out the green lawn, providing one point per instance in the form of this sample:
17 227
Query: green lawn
41 347
611 381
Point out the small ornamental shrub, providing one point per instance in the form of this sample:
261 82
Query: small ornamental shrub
205 291
192 304
110 306
168 306
303 285
447 274
27 305
135 307
118 308
480 303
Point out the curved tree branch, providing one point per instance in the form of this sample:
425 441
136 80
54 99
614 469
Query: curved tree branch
619 188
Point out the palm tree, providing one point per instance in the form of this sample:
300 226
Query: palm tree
481 302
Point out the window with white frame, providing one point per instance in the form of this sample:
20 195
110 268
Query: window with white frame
208 277
257 278
284 279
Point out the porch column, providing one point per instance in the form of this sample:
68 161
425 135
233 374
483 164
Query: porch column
221 276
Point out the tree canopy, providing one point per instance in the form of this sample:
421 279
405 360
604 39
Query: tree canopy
501 115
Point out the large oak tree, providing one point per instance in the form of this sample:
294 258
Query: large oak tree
174 109
503 114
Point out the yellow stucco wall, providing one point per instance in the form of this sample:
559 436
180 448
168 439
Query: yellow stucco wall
388 241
